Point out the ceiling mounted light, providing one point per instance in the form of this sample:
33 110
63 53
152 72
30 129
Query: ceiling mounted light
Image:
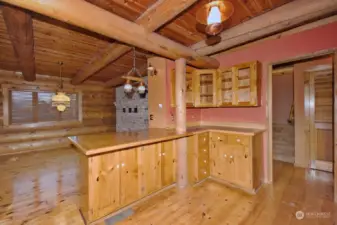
60 100
151 70
141 88
128 86
213 14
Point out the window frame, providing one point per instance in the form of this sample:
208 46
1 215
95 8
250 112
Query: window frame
6 88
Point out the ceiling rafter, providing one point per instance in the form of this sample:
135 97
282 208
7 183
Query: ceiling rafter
245 7
284 17
19 26
153 18
259 7
113 26
270 2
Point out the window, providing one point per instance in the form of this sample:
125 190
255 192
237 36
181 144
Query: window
32 107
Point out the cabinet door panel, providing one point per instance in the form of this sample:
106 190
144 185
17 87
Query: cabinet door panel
129 176
104 184
227 163
242 162
204 87
150 168
225 86
238 140
168 163
246 84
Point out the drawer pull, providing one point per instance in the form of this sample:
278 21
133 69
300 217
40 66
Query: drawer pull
205 172
123 164
231 156
238 140
218 138
205 161
225 155
204 150
204 139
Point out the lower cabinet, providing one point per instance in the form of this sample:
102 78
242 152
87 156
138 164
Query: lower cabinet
117 179
236 159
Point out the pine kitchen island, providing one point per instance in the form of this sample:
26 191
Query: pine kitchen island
119 169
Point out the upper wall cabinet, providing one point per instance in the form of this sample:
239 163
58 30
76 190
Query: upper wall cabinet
204 86
245 84
189 89
237 86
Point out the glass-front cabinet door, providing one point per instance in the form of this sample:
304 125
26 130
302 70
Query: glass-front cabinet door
245 84
225 86
189 89
205 88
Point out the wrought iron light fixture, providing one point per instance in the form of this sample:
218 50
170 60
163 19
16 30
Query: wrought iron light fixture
141 89
213 14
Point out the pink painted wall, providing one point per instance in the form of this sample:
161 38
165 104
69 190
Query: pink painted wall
324 37
283 97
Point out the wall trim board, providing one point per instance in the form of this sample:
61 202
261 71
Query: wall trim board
234 124
269 106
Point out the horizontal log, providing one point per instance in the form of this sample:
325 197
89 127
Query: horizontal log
100 21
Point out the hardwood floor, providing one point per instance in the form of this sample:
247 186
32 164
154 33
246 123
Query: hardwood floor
43 188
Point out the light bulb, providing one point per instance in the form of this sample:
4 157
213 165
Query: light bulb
214 15
141 89
127 88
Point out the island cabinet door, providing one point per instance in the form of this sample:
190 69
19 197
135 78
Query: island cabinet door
104 184
168 163
128 176
149 164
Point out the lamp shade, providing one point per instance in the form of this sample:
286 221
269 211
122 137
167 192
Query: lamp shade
213 14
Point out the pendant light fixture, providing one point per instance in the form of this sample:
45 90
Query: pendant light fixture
141 89
60 100
213 14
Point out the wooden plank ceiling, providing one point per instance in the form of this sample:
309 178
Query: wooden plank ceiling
56 41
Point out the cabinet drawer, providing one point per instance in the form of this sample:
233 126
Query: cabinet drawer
238 140
219 137
203 140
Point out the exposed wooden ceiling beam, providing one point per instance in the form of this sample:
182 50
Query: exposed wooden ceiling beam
259 7
282 18
20 29
157 15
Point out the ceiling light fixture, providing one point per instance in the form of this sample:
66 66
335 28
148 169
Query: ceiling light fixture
213 14
128 86
60 100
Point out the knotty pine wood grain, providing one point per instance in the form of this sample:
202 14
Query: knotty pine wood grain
209 203
98 115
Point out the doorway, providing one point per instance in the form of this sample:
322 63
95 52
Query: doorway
309 158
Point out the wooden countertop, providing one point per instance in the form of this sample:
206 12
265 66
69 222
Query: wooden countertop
93 144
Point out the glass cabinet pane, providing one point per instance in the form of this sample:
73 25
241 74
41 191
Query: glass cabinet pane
206 88
226 87
243 93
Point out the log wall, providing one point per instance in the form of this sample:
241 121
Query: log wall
98 110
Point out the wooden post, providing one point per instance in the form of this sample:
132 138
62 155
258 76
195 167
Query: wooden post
182 180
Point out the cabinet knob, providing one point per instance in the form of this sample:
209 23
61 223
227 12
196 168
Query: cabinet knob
231 156
218 138
204 150
123 164
205 161
238 140
204 139
205 172
225 155
117 166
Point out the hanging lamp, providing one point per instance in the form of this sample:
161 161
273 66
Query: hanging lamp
213 14
128 86
60 100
